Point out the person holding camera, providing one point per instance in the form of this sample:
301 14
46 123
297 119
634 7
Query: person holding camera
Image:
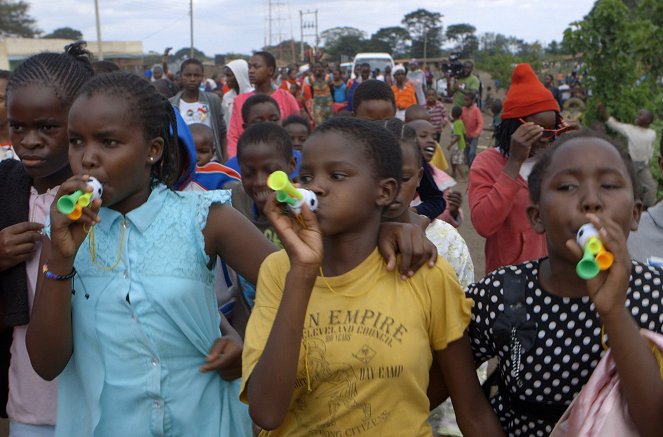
465 84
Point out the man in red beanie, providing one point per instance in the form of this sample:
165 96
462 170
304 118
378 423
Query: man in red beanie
497 185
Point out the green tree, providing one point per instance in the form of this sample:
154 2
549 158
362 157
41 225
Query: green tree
425 28
649 39
612 40
344 42
464 36
15 21
183 54
553 48
65 33
499 65
395 40
493 43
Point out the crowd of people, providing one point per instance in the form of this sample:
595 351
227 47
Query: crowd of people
187 300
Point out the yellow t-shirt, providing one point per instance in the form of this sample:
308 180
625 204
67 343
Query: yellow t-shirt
438 159
367 344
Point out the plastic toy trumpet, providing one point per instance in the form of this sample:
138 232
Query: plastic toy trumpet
595 258
72 204
291 195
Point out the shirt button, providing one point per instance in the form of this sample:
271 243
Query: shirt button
155 361
157 403
126 273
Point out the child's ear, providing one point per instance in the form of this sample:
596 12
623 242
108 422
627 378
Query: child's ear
637 211
155 150
387 192
535 219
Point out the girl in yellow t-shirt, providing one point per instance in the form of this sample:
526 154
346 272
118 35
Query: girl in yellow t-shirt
337 343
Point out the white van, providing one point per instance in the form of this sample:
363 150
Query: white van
375 60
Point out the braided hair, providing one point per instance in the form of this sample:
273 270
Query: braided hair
65 73
152 109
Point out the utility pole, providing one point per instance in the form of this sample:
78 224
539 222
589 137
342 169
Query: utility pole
191 27
275 22
100 50
425 47
308 20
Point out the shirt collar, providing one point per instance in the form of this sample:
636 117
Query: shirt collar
141 217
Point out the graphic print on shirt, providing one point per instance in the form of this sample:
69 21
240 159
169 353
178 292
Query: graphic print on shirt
357 337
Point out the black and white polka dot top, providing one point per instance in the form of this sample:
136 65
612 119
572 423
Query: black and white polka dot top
567 346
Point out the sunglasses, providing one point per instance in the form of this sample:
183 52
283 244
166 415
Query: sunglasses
551 133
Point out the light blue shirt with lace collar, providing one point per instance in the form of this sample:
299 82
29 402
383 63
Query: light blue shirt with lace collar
142 329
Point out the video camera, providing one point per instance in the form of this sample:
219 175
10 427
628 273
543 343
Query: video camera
453 67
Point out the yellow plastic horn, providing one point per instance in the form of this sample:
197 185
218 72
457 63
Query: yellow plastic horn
85 199
594 245
279 181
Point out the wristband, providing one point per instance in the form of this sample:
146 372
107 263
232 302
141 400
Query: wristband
55 277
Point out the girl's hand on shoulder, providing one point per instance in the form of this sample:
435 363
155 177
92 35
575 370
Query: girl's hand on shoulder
17 243
67 234
522 140
409 241
608 289
302 239
225 357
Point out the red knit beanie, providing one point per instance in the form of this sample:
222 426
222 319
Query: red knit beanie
527 95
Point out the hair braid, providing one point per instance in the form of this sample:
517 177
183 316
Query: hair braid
154 111
65 73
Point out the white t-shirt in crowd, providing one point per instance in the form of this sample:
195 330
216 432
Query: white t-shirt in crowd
195 112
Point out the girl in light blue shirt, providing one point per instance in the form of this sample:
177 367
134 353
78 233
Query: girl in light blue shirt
125 311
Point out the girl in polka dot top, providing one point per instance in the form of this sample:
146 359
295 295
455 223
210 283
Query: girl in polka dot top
553 349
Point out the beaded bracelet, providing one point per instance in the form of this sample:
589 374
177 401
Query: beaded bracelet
55 277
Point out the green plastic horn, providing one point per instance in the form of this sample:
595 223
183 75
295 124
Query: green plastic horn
279 181
67 203
283 197
587 268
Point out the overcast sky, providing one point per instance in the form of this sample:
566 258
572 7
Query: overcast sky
222 26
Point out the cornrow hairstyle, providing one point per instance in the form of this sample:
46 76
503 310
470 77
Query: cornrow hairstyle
296 119
152 109
506 129
267 133
269 59
65 73
254 100
372 89
191 61
535 178
380 147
